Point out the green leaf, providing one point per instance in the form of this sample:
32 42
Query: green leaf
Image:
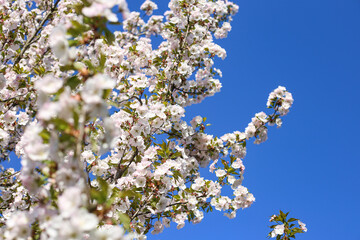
109 36
73 43
45 135
129 194
292 220
176 154
66 68
104 186
89 64
124 220
102 62
107 93
283 216
101 194
73 82
77 29
97 195
61 124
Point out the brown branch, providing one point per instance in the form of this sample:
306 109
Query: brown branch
8 176
120 171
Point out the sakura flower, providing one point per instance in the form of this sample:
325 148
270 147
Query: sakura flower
158 227
250 130
68 204
88 156
166 222
94 87
272 218
180 220
59 44
278 230
162 204
101 8
302 226
198 183
23 118
140 182
49 84
109 232
148 6
48 110
231 215
84 221
220 173
196 121
4 137
17 226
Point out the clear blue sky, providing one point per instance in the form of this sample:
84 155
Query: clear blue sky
311 165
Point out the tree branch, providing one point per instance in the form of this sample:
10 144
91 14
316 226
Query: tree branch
120 171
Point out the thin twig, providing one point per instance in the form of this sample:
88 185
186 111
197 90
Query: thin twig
137 212
8 176
120 171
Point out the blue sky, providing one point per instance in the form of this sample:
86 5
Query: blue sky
309 166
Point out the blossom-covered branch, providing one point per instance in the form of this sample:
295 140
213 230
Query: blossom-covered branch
99 114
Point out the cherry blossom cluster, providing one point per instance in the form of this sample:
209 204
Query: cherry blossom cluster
96 118
285 229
